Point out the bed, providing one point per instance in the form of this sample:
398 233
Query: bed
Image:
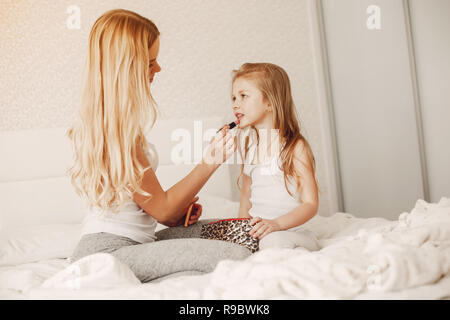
370 258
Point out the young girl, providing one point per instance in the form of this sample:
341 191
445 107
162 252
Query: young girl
279 190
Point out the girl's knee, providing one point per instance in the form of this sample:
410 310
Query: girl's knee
308 240
277 239
289 240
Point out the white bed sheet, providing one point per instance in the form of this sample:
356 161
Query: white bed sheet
370 258
16 281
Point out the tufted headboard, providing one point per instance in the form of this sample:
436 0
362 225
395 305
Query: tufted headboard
34 187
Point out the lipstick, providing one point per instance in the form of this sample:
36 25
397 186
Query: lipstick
231 125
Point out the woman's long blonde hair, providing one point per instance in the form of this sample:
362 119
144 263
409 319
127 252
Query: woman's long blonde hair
115 110
274 84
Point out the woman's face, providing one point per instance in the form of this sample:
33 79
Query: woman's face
153 64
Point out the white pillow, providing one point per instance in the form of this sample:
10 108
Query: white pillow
34 243
49 201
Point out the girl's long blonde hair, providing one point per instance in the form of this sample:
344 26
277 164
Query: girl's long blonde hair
115 110
275 86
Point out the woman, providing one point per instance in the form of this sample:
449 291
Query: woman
114 165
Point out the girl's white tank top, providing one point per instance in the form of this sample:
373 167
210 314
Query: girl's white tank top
269 197
131 221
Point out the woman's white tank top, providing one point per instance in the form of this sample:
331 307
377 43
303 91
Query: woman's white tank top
131 221
269 197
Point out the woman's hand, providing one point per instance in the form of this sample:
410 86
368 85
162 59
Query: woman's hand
262 227
221 147
196 212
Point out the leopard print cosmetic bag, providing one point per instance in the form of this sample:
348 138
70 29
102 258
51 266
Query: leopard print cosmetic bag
232 230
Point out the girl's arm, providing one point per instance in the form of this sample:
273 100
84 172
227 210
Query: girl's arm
308 192
167 206
245 203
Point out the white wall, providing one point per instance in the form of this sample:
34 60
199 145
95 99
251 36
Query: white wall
376 99
431 26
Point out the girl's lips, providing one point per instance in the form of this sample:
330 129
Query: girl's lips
238 118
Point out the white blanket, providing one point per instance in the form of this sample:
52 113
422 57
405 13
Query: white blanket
360 259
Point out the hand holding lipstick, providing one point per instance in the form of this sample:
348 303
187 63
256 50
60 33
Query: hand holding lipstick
221 147
230 125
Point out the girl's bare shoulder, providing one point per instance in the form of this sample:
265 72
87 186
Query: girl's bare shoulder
303 155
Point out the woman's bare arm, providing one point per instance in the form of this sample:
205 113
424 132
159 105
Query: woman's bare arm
167 206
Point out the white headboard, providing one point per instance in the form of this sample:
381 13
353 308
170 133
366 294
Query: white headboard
34 188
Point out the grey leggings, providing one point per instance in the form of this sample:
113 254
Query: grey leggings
177 251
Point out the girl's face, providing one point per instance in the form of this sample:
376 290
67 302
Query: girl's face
153 65
249 105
